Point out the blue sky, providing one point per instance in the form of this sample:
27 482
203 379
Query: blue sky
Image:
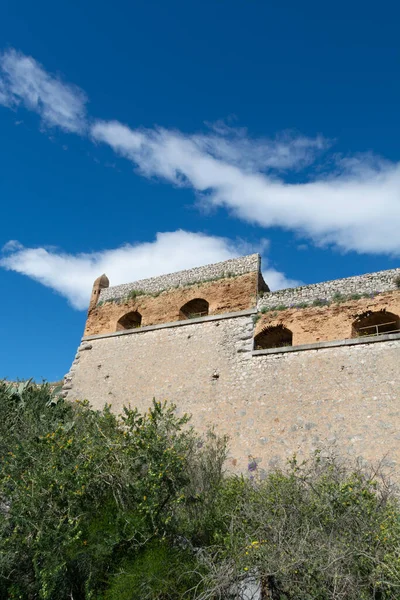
138 138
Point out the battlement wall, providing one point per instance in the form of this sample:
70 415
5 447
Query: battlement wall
223 295
370 283
227 268
270 405
330 322
277 379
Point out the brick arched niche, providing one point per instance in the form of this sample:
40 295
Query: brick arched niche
198 307
131 320
273 336
375 323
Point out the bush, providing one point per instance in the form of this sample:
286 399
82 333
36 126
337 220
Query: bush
397 281
96 507
302 305
84 494
318 530
321 302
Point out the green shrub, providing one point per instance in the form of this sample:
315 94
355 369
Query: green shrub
397 281
97 507
82 491
320 302
338 297
134 294
159 571
317 530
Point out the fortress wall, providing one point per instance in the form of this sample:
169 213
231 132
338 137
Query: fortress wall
371 283
223 295
234 266
328 323
271 405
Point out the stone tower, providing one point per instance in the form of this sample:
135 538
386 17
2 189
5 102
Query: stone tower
101 283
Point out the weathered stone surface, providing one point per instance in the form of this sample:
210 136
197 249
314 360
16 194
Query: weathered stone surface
270 405
234 266
328 323
382 281
223 296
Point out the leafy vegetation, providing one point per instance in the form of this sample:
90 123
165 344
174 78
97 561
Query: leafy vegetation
138 508
337 298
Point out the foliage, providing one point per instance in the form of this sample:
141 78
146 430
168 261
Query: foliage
83 493
138 508
338 298
321 302
135 293
397 281
317 530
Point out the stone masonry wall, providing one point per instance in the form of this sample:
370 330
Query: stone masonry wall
328 323
224 295
370 283
234 266
271 405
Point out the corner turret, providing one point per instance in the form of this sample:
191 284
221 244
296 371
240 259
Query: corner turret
100 283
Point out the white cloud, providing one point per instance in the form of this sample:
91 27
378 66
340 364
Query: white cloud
356 208
23 80
72 276
5 97
287 151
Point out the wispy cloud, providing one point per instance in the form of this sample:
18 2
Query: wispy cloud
24 81
72 275
287 151
355 207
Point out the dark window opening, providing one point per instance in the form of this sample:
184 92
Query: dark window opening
198 307
375 323
276 336
130 321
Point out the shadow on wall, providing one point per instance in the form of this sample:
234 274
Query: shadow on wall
198 307
130 321
273 336
375 323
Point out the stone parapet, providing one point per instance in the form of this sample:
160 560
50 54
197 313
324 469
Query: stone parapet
370 283
227 268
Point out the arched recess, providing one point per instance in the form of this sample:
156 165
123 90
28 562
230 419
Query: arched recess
198 307
375 323
130 321
273 336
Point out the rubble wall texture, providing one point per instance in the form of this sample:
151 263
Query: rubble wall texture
382 281
234 266
328 323
270 405
224 295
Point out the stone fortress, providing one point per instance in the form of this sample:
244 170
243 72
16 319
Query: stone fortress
279 372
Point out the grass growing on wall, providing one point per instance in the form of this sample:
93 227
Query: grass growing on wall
137 292
337 298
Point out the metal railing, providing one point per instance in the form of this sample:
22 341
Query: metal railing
373 330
